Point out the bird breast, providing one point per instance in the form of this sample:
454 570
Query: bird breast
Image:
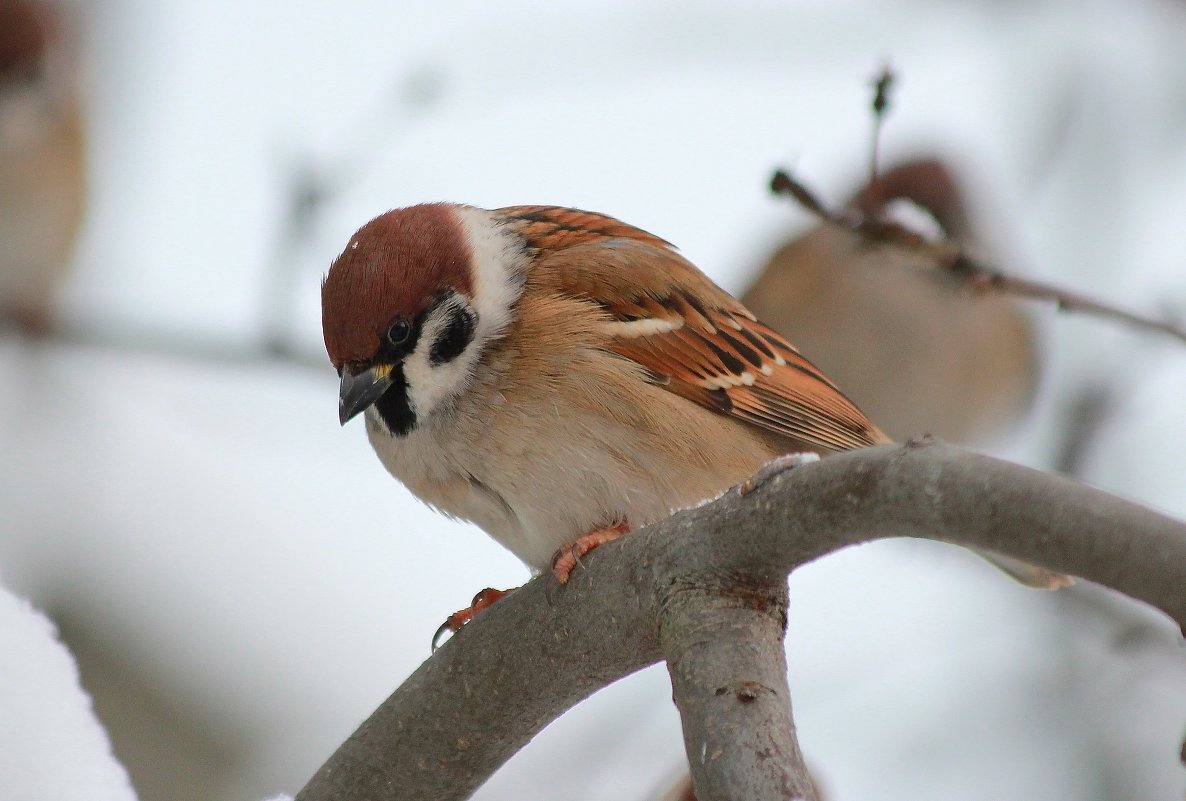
556 436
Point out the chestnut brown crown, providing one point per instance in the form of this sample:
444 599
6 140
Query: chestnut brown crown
394 266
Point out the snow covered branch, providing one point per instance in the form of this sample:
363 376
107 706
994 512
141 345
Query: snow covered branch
705 590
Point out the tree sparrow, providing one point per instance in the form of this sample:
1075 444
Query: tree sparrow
556 376
917 350
41 160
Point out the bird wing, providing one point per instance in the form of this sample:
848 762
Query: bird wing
693 338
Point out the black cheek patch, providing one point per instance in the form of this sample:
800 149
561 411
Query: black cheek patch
394 406
454 337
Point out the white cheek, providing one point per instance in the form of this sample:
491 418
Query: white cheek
498 263
430 385
499 266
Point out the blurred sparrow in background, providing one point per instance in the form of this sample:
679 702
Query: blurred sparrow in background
41 161
912 345
557 376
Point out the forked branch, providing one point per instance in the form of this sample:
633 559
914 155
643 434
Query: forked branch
705 590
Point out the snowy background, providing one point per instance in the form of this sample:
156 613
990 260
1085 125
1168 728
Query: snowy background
240 581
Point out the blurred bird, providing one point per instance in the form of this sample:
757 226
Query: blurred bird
557 376
41 161
910 344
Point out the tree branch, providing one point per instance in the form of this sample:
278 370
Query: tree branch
954 261
523 662
723 642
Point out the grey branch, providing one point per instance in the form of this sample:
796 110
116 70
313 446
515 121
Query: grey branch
953 260
706 590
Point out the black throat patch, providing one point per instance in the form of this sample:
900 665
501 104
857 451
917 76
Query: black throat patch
395 407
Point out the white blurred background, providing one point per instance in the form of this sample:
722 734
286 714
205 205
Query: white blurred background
242 583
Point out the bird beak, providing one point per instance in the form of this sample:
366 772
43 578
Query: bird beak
360 390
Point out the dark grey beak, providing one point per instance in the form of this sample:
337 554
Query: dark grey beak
360 390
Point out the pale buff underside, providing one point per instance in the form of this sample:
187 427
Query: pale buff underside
557 437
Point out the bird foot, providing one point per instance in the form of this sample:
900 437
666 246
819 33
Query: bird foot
484 599
565 560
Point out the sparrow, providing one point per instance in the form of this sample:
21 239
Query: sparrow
41 161
558 377
910 344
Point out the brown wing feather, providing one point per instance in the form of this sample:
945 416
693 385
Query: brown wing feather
560 227
697 341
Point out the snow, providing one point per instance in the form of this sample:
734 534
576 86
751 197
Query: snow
230 540
51 745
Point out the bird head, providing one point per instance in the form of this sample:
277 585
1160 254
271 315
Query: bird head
410 304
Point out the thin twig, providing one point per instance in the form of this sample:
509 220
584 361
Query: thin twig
1088 411
956 262
988 277
881 97
781 183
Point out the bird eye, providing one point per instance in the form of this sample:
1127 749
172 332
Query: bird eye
398 333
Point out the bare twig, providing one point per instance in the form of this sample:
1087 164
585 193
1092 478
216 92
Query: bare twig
881 94
981 276
953 260
782 183
1088 410
520 664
